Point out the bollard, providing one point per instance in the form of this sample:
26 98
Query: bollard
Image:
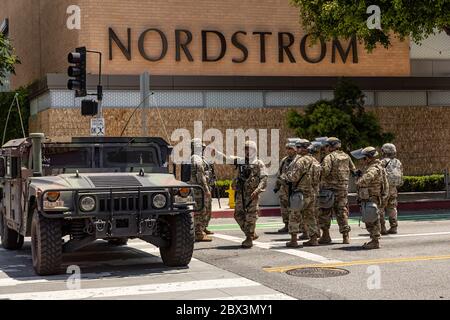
231 193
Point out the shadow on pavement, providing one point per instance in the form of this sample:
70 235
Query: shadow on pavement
350 248
98 260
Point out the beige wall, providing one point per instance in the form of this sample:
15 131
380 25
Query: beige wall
38 29
421 132
39 34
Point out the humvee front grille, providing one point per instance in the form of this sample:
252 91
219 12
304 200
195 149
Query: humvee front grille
114 181
124 203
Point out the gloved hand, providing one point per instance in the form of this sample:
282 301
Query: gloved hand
357 174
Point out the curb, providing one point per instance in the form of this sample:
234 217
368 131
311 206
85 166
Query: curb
353 208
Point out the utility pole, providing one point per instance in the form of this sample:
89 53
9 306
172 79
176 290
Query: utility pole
145 95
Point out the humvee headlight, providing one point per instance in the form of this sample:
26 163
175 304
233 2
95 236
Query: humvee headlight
53 196
184 192
87 204
159 201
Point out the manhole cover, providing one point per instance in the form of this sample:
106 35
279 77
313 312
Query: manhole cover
318 272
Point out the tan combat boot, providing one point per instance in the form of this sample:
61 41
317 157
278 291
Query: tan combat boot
345 238
202 237
373 244
392 230
313 242
208 232
325 239
255 236
383 230
304 236
248 242
285 229
293 243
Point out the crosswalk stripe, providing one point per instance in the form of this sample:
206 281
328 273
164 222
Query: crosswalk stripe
150 289
276 247
11 282
276 296
402 235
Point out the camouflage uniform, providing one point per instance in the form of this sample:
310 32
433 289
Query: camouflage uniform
283 188
300 173
372 187
316 173
199 176
390 206
210 180
255 180
336 169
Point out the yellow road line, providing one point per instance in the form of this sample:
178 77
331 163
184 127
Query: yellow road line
357 263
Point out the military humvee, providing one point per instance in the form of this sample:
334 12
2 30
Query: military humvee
67 195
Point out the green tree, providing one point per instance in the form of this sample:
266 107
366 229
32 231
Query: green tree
8 59
343 117
329 19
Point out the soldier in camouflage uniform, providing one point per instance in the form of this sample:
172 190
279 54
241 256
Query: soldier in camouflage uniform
199 176
281 187
394 170
301 174
249 184
336 169
372 187
211 182
315 150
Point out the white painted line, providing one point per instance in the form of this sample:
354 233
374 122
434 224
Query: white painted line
278 248
308 256
276 296
401 236
11 282
150 289
148 248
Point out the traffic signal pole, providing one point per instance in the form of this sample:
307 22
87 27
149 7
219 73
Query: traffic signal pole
99 86
78 79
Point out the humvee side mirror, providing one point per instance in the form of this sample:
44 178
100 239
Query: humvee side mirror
2 167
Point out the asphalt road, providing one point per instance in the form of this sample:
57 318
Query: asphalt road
411 265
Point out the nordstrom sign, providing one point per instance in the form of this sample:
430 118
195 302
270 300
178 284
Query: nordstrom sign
153 45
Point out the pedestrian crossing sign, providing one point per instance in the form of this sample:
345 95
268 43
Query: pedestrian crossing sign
98 127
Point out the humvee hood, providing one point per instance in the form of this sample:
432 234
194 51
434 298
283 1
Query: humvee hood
106 180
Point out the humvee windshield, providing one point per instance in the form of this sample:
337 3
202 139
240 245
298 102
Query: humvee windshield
103 158
129 157
67 157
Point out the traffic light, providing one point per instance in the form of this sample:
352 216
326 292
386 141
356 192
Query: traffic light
77 72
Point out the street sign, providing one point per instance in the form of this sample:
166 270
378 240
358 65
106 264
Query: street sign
98 127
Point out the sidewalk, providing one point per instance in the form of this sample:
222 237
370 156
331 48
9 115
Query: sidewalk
411 201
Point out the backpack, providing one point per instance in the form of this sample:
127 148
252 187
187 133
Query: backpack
384 184
316 172
394 172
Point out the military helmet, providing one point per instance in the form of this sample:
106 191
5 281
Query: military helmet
291 143
369 152
197 143
302 143
315 147
333 142
389 149
251 145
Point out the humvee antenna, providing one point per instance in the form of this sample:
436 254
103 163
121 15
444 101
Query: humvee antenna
134 111
16 101
160 118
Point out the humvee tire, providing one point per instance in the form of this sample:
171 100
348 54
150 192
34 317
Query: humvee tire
118 242
46 245
11 239
182 238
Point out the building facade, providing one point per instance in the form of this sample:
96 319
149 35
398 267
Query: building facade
230 64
